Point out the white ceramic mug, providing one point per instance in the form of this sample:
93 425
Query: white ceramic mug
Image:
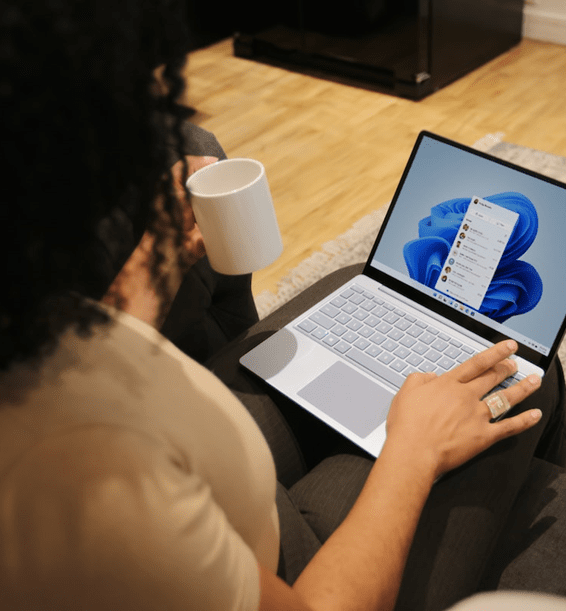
234 211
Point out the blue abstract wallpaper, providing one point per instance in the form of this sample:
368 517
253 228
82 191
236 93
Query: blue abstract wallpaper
516 286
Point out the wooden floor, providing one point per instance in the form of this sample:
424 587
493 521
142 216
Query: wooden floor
334 153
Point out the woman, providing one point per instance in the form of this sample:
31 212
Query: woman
132 478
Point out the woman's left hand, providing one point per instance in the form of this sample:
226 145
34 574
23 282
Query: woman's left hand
193 237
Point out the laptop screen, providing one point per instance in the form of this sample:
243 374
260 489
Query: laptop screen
482 237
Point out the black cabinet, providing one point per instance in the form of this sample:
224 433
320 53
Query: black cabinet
408 48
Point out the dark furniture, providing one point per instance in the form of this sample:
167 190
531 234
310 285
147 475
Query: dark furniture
408 48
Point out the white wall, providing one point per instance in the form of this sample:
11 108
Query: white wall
545 20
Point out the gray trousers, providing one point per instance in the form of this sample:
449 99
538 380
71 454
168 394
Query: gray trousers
496 522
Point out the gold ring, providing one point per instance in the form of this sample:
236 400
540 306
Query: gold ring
498 404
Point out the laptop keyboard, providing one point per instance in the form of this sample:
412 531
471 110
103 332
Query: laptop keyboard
383 338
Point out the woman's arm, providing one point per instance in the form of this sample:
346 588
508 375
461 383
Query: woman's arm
435 424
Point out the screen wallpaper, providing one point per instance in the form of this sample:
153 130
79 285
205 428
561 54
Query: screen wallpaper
488 238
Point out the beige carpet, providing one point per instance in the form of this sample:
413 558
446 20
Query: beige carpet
354 245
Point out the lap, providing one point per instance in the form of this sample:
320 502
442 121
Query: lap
466 511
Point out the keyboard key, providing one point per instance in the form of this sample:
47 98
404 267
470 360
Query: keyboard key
307 325
357 288
349 308
446 363
360 314
389 345
355 324
366 332
338 330
347 293
452 352
415 360
403 324
427 366
408 341
342 347
383 327
385 357
322 320
439 345
330 310
368 306
398 365
343 318
377 338
420 348
374 350
415 331
331 340
357 299
371 320
319 333
376 367
362 343
350 337
391 318
432 355
402 352
426 338
338 301
395 334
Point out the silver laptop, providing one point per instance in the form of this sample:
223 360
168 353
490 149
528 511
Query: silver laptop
472 250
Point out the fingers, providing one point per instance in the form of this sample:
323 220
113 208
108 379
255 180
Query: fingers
486 360
500 402
517 424
196 163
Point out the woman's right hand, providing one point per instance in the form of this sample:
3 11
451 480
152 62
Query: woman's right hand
443 419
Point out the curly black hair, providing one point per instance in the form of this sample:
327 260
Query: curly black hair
85 137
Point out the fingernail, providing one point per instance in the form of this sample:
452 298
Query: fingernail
512 345
536 414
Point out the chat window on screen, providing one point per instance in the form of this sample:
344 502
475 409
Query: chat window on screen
476 251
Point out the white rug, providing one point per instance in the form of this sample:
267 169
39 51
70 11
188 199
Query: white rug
354 245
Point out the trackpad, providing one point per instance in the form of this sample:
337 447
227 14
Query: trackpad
350 398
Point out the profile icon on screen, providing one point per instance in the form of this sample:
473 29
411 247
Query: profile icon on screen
444 278
462 235
447 269
466 227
